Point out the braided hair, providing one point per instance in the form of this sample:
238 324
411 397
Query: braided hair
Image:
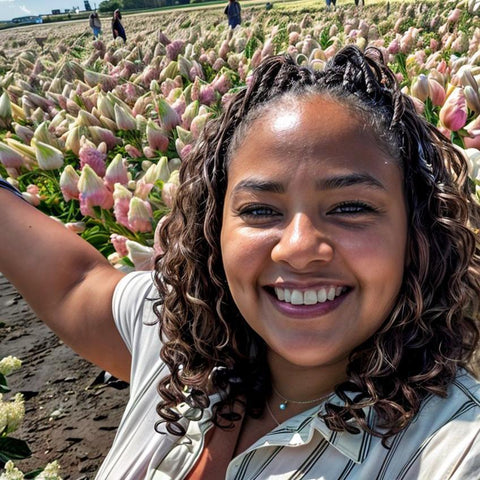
432 329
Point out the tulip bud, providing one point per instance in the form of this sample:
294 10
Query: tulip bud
140 215
466 77
190 113
72 139
93 192
169 119
124 119
42 134
454 15
157 137
158 171
90 155
436 92
116 172
140 255
119 243
198 123
100 134
132 151
86 119
121 196
169 189
453 114
472 99
6 114
48 157
24 133
420 87
105 106
10 158
68 183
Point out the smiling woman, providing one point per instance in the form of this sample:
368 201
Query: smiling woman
314 313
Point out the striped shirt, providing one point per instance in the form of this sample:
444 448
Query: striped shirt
442 443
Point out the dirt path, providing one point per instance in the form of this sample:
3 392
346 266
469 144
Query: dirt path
67 419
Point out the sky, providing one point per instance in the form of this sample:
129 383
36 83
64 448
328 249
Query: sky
18 8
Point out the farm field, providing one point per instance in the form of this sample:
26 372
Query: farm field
93 132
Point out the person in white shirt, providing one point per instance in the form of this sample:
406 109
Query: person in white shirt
315 312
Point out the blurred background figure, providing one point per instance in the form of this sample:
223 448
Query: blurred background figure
117 27
233 12
95 24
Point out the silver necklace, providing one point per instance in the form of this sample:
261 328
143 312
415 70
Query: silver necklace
285 401
269 410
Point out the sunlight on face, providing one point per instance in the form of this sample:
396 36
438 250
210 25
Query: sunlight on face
314 231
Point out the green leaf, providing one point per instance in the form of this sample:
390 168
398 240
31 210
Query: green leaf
33 473
3 384
13 449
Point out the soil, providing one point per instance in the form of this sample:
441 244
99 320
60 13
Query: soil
71 416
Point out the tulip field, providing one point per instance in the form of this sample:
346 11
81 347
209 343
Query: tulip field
93 132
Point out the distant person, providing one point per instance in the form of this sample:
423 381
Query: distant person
334 3
117 27
233 12
95 24
360 3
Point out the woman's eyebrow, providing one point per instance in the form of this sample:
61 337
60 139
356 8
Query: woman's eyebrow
341 181
259 185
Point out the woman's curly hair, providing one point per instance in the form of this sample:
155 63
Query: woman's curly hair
432 329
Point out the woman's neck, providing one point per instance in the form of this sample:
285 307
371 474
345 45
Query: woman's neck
303 384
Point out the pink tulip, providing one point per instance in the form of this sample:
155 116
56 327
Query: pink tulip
473 130
132 151
93 192
31 199
121 196
472 98
100 134
168 193
123 118
169 118
453 114
89 155
143 188
454 15
174 49
116 172
436 92
140 215
190 113
10 158
119 243
24 133
222 84
157 137
32 195
420 87
68 183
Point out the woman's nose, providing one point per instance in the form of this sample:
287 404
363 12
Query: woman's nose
303 242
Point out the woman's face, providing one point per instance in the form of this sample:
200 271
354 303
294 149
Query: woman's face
314 231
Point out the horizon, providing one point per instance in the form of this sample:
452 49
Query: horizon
10 9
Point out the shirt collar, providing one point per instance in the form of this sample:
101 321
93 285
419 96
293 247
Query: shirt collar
300 430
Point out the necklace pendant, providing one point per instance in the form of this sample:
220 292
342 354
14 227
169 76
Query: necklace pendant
283 405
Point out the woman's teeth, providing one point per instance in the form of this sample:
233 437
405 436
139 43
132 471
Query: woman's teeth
308 297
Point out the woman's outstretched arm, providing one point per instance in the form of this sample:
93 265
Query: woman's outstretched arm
66 281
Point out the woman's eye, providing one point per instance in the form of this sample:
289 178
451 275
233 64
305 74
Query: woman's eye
352 208
257 211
